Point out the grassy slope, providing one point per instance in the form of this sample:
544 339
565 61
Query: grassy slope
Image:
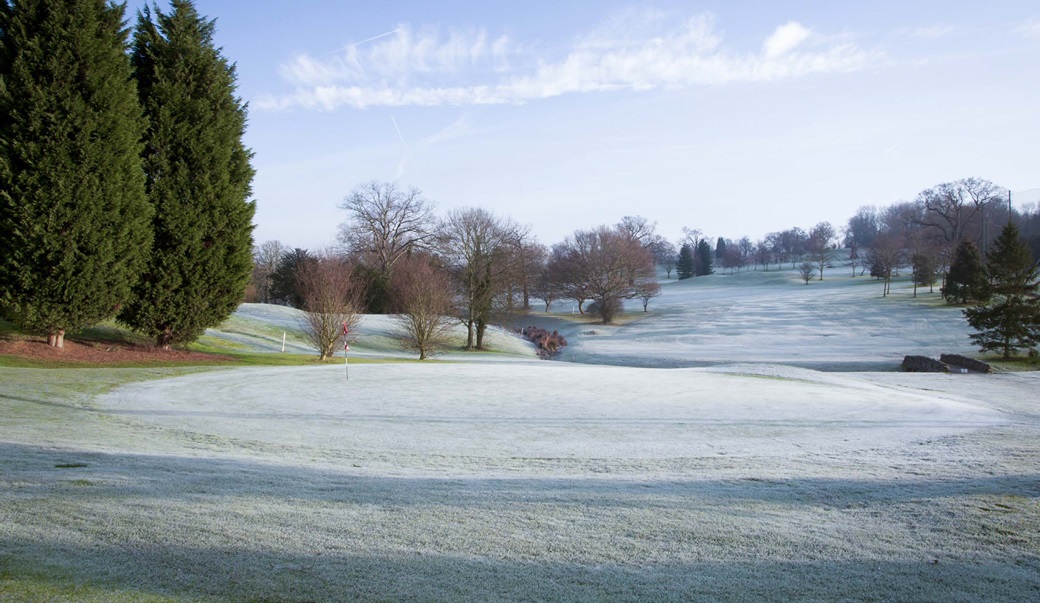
253 337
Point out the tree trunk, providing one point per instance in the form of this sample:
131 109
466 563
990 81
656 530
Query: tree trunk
469 335
481 329
56 339
165 339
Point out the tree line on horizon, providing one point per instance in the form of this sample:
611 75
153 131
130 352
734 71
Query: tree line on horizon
478 267
124 183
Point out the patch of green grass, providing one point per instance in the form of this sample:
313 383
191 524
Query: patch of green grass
110 332
221 358
257 328
9 361
19 362
1017 364
216 345
8 328
36 586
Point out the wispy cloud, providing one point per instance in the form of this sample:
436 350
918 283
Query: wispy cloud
632 51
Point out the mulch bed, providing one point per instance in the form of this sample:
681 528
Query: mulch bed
102 353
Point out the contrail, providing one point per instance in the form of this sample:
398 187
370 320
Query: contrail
356 44
407 152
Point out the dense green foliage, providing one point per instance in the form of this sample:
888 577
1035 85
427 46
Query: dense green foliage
73 214
285 286
685 266
198 179
966 281
705 259
720 249
1012 321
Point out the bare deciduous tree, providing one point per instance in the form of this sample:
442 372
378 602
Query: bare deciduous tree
546 288
860 233
331 301
563 274
692 236
819 244
603 264
665 254
646 290
385 223
806 271
527 265
954 210
424 304
477 246
885 256
265 261
638 228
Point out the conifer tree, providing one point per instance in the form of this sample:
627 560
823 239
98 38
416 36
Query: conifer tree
1012 321
74 222
685 266
198 178
720 249
966 281
705 263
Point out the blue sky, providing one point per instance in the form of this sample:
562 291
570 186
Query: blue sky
736 118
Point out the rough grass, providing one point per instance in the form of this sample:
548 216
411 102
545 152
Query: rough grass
8 329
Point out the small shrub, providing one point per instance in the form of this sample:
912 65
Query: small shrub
548 344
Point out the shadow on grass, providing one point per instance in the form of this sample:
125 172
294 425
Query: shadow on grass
262 532
241 575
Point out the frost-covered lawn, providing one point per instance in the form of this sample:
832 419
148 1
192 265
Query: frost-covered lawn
840 323
514 479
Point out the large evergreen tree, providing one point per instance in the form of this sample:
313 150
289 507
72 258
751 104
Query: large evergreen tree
966 281
74 222
198 178
685 266
1012 321
705 263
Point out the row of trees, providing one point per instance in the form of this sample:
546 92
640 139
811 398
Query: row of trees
922 236
494 266
395 256
124 183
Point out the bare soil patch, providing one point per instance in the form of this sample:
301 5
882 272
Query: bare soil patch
103 353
